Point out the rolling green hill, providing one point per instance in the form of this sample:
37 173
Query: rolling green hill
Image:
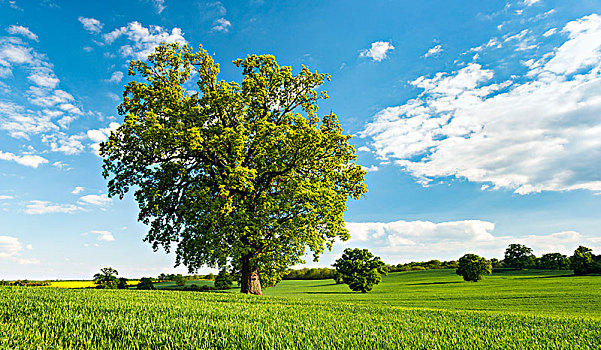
409 310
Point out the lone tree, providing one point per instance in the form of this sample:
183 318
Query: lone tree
106 278
473 267
518 256
360 269
241 174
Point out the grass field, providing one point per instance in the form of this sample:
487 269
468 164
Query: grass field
535 292
410 310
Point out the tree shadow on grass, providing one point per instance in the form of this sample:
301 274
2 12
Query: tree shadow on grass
331 293
556 276
430 283
323 285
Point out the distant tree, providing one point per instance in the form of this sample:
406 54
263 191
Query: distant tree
496 263
106 278
473 267
553 261
180 280
146 283
360 269
583 261
122 283
223 280
210 277
162 277
518 256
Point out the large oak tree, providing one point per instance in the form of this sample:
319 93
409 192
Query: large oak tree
243 175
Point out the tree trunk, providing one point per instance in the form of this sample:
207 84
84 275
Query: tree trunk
250 278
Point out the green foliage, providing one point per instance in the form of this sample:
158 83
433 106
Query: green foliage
518 256
146 284
106 278
243 174
553 261
122 283
584 262
318 273
472 267
180 280
360 269
48 318
223 280
426 265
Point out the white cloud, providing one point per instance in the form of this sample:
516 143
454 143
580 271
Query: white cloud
221 25
422 240
67 144
14 29
37 207
5 197
26 160
378 50
101 200
530 2
550 32
542 134
99 135
143 40
9 246
434 51
92 25
370 169
363 149
104 235
77 190
115 77
159 5
44 78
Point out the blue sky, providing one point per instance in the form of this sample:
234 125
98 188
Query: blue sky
479 122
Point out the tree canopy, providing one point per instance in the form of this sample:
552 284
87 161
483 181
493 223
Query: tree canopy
246 175
360 269
518 256
473 267
106 278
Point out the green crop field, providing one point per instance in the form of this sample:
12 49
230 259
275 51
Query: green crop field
410 310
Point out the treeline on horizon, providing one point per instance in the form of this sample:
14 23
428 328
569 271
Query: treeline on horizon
517 256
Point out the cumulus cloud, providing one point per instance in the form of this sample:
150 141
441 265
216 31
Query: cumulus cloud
77 190
5 197
37 207
32 161
104 235
541 134
20 30
378 50
221 25
9 246
142 39
99 200
434 51
115 77
370 169
419 240
92 25
99 135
